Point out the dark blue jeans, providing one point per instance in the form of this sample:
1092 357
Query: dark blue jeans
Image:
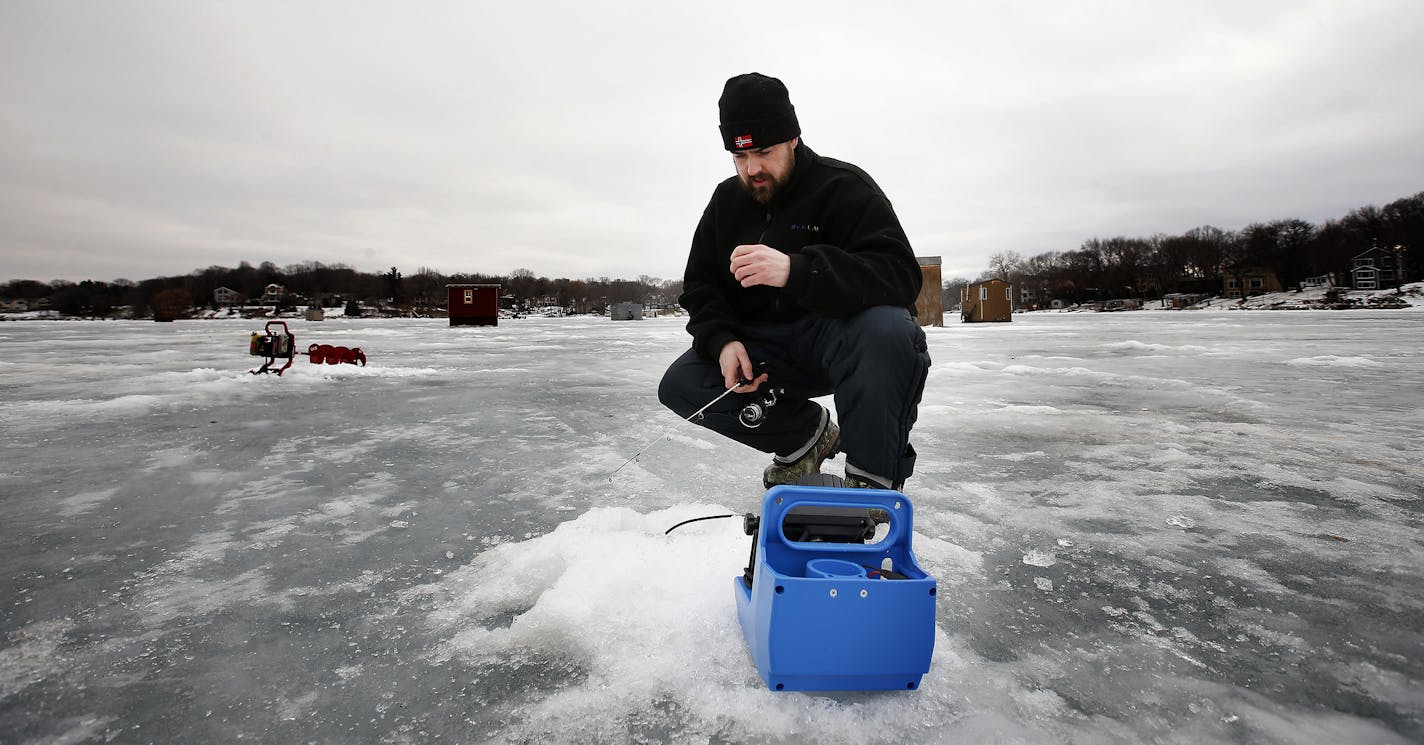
875 363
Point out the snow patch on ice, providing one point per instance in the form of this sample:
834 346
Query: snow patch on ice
125 404
946 369
1331 360
171 458
1037 558
949 563
1137 346
32 656
1030 411
690 441
646 618
183 596
1016 457
84 501
80 729
291 709
1100 377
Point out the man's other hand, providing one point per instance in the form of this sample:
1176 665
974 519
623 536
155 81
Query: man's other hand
760 264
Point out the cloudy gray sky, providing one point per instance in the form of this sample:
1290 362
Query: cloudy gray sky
140 139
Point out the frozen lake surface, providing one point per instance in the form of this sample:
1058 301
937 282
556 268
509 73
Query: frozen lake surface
1146 527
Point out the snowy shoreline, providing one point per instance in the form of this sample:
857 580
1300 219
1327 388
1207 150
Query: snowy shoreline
1272 302
1408 297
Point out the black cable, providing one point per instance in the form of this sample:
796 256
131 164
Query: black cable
698 519
872 572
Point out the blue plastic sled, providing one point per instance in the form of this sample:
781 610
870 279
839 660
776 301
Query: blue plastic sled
825 615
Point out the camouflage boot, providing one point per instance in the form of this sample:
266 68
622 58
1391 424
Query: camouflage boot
858 478
854 481
826 445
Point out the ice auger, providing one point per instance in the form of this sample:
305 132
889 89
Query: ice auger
275 344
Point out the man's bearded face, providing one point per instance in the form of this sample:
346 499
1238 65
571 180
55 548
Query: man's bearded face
764 172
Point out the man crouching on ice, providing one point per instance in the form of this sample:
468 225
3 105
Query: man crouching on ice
800 263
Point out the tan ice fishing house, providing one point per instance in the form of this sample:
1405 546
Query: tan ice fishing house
990 300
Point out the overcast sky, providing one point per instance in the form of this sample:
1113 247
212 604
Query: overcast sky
141 139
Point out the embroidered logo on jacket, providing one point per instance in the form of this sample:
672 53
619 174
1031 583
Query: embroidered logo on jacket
808 228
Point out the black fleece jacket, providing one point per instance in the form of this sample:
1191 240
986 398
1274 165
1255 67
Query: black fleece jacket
848 252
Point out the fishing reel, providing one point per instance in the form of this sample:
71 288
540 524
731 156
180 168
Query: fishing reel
754 413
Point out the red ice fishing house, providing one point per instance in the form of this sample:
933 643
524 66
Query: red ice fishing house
474 305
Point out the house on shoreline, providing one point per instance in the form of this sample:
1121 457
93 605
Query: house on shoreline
1378 268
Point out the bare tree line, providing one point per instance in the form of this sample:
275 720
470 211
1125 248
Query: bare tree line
313 282
1199 260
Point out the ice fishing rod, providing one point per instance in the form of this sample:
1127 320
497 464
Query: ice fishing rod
692 418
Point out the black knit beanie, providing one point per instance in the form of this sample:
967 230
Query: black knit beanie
756 112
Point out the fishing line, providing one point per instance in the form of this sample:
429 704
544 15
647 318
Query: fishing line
695 416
